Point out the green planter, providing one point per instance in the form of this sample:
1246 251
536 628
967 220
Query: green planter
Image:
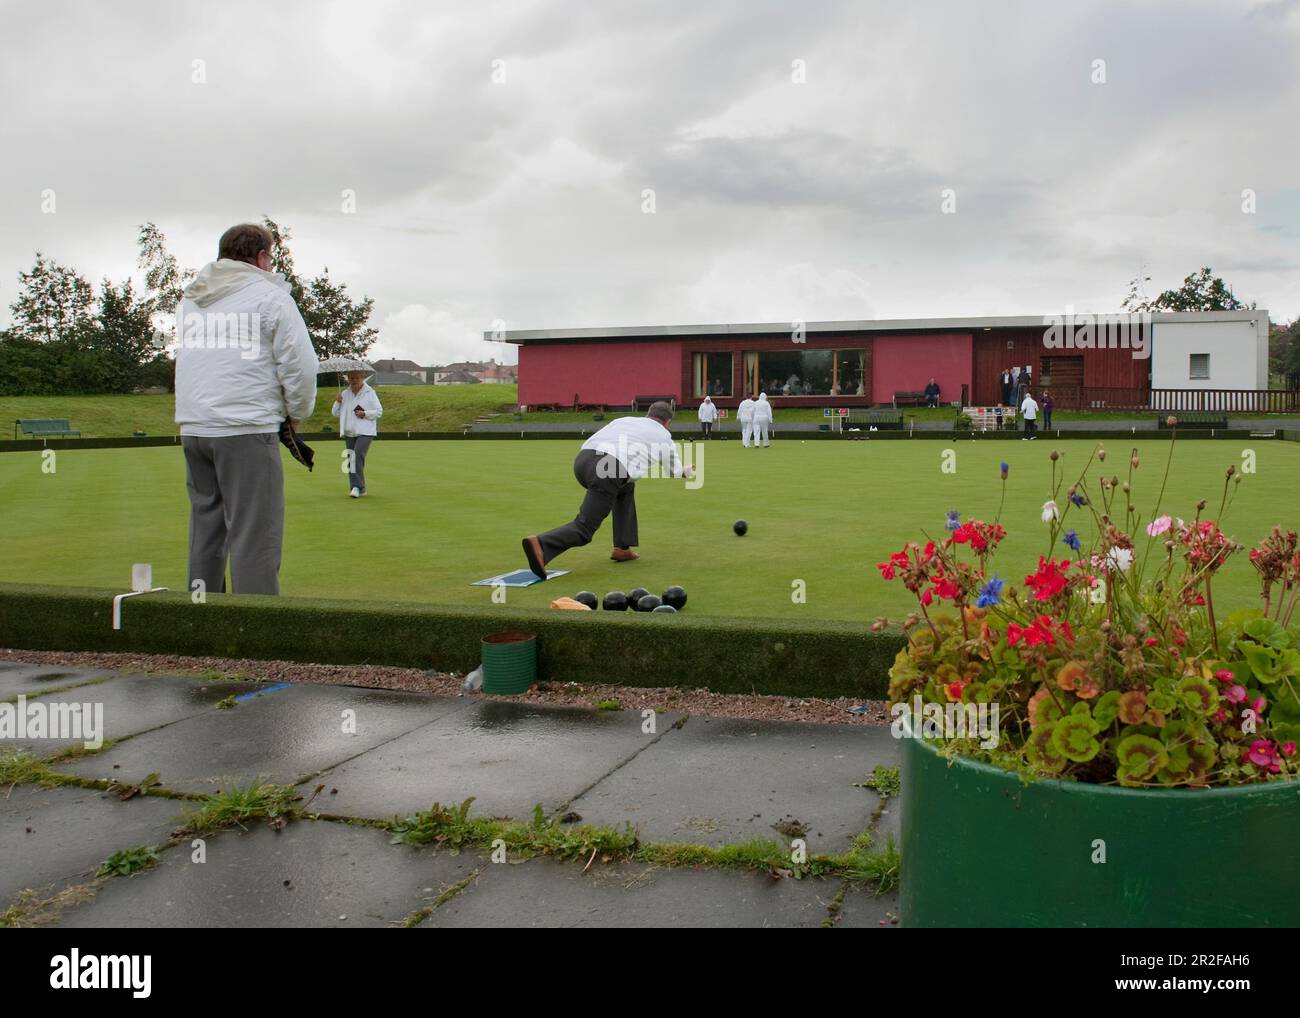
509 662
980 848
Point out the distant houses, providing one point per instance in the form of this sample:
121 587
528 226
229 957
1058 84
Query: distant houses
396 371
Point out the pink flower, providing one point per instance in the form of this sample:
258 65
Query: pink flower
1259 705
1220 715
1158 526
1235 694
1264 754
1288 748
1223 675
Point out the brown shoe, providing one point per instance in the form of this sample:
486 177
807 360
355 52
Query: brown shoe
623 555
533 552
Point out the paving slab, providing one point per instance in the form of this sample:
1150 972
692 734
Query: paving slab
311 874
129 704
544 893
863 909
283 736
72 831
31 679
720 780
510 756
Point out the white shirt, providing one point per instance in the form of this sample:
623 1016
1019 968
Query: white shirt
350 423
638 443
762 412
745 412
708 412
1029 408
244 359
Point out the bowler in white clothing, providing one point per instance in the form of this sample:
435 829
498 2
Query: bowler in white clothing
358 409
762 420
1029 411
244 363
745 414
609 464
708 413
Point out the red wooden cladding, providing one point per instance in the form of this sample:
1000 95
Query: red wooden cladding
998 349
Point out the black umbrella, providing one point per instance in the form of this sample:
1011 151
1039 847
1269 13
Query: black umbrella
298 449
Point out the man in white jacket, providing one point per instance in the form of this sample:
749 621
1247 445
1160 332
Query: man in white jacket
608 466
745 414
244 363
762 420
358 408
708 413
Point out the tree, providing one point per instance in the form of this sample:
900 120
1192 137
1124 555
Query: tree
1201 291
53 303
336 322
122 336
282 257
163 279
1290 366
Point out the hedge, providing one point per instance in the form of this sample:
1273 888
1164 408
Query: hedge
812 658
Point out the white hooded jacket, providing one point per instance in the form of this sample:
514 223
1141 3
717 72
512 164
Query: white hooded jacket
708 412
244 358
762 410
745 412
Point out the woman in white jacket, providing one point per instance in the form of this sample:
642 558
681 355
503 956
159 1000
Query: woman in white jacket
762 420
358 408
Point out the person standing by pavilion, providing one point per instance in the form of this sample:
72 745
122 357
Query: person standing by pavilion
708 413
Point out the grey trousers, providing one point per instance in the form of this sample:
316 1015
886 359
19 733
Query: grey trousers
358 445
236 488
609 489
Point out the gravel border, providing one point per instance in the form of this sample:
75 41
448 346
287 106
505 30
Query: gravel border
696 702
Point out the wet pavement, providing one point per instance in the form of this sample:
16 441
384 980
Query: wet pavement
379 754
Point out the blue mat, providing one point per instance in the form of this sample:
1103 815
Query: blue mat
519 578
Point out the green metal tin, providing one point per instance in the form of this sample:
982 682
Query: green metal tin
981 848
509 663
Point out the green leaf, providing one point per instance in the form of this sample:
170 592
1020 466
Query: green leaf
1106 708
1268 632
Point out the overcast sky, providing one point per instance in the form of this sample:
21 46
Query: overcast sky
774 200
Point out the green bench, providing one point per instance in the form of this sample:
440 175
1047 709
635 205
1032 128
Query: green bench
881 420
1201 420
59 427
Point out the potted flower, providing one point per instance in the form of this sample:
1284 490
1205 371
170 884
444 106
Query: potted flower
1095 746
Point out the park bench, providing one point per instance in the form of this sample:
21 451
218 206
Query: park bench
881 420
1202 420
909 398
58 427
640 403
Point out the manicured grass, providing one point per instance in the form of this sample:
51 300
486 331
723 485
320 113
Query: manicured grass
442 514
406 408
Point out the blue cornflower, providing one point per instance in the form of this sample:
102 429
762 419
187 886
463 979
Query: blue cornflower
954 520
1005 468
1071 539
1078 499
990 593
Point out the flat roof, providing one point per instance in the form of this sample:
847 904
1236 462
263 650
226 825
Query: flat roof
520 336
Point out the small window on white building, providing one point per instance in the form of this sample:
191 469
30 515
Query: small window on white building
1200 366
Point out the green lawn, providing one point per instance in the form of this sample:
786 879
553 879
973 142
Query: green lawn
442 514
406 408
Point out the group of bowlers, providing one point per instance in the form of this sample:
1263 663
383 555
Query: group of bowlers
755 416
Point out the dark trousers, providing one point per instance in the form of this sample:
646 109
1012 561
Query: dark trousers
236 488
1031 428
707 428
609 489
1047 419
358 445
